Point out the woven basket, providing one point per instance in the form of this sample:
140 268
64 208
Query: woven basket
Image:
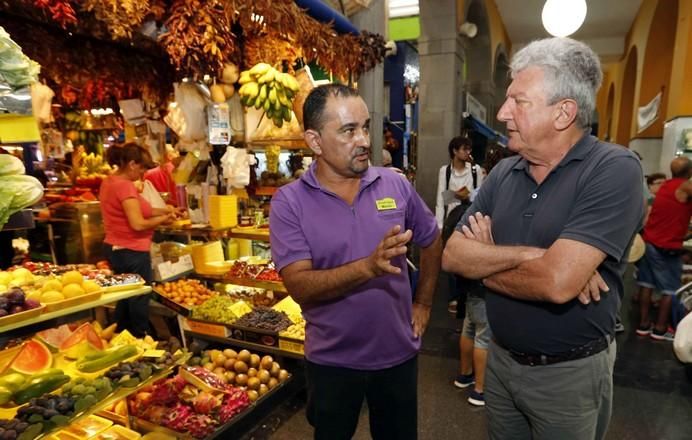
350 6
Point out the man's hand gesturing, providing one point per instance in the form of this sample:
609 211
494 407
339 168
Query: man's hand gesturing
392 245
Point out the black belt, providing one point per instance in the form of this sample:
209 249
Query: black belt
586 350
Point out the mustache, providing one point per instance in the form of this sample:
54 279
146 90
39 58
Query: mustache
360 150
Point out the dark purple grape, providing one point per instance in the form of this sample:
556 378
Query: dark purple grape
21 427
16 309
31 304
3 301
3 312
10 434
15 296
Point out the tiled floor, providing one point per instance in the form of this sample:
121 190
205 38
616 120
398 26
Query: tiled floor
653 396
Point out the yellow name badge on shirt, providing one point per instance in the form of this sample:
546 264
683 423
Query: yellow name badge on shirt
386 204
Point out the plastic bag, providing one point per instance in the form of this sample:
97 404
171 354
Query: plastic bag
236 167
152 196
682 344
193 105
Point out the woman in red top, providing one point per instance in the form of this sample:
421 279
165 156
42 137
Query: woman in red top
129 222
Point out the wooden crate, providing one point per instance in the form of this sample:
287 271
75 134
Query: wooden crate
350 6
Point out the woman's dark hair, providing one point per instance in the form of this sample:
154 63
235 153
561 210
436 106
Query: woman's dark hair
458 142
313 107
651 178
121 155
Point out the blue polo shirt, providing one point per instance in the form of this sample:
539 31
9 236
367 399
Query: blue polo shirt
369 328
594 196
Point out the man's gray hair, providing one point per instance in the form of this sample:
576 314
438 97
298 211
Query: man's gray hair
571 70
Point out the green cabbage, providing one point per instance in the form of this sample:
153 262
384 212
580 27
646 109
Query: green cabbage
16 193
10 165
16 69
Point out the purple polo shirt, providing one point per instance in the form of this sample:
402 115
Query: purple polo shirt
370 328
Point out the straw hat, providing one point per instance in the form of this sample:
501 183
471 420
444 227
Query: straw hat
637 249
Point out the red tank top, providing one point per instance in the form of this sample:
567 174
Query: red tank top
669 219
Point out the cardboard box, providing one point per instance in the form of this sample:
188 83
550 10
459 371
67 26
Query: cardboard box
255 336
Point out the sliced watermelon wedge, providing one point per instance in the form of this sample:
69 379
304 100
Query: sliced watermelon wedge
81 342
33 358
54 337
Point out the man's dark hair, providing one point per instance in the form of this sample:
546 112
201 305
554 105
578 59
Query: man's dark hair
313 107
458 142
651 178
681 167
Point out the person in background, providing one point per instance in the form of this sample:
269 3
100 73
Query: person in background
664 233
129 222
476 333
162 176
339 238
455 184
548 234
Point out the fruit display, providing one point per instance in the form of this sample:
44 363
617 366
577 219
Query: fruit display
92 170
266 88
99 360
15 301
47 412
242 269
187 292
123 280
180 405
216 309
253 296
43 268
70 284
17 429
265 318
87 392
257 374
296 330
17 278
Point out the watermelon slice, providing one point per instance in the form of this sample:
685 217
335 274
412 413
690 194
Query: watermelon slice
33 358
54 337
81 342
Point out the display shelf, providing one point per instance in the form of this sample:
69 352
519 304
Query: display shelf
245 344
274 286
23 219
285 144
249 233
106 298
119 393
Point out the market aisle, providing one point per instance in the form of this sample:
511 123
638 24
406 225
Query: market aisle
653 397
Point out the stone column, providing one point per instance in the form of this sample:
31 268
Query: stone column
441 88
371 84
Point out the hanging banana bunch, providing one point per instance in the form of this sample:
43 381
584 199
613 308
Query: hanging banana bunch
265 88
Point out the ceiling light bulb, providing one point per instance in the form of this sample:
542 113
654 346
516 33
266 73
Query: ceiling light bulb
563 17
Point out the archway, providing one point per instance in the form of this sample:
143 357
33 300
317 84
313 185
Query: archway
479 59
501 81
658 60
629 81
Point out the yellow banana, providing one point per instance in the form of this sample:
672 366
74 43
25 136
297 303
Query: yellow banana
267 105
290 82
260 69
286 114
245 77
271 95
263 92
251 89
281 96
267 77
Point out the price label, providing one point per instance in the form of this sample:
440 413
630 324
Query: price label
207 329
185 263
240 308
154 353
293 347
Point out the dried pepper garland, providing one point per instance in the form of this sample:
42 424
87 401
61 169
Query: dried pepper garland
199 39
60 11
121 17
344 55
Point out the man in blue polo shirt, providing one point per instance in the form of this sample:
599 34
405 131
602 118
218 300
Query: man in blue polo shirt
338 238
549 234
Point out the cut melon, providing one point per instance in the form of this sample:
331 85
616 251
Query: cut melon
54 337
33 358
81 342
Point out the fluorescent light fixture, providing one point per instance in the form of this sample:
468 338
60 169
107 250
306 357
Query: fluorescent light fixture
563 17
403 8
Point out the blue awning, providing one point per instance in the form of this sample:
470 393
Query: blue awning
324 13
486 131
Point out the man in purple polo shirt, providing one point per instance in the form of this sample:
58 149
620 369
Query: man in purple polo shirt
338 238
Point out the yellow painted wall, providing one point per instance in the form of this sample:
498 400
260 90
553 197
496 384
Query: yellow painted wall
680 101
678 85
498 32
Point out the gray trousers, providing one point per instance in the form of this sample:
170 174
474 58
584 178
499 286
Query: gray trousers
567 401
